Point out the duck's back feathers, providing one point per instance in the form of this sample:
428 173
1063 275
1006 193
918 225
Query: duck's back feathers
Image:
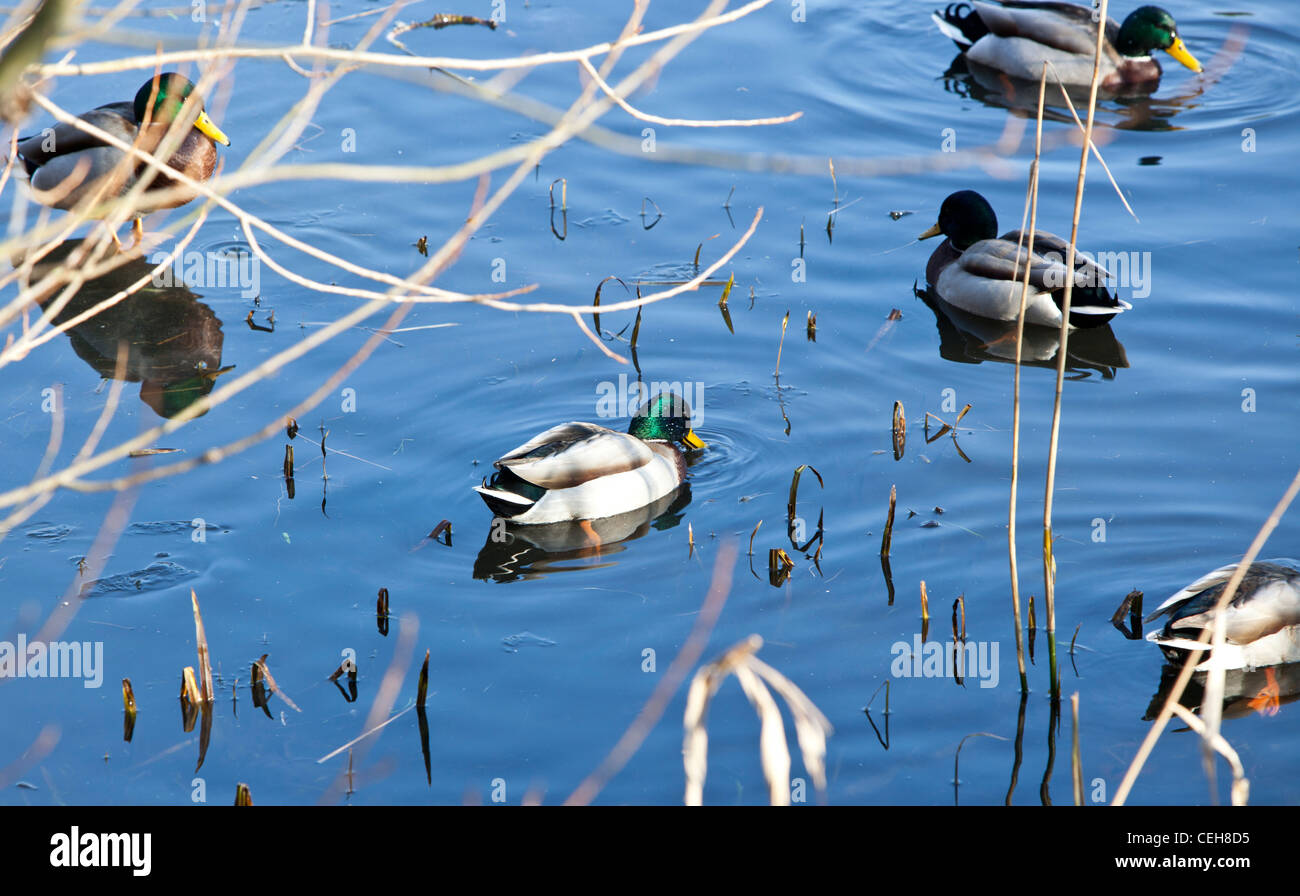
1062 26
570 454
985 279
65 152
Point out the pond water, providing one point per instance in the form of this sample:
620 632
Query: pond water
1176 436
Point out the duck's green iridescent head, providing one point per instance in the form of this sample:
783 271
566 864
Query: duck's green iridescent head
1150 28
965 218
171 92
665 418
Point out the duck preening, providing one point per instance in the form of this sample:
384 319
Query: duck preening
1261 622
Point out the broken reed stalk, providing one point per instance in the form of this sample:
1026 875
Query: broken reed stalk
564 193
690 541
422 690
889 524
205 664
243 796
1076 761
751 538
794 491
189 688
288 461
128 697
899 430
784 321
1240 793
1049 565
324 434
925 603
1031 210
812 327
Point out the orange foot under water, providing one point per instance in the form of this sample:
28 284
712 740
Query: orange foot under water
1269 699
593 540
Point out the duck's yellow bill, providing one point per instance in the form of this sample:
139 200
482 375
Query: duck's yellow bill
1178 50
207 126
691 440
933 231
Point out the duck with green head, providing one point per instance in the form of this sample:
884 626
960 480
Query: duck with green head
67 166
976 270
581 471
1015 37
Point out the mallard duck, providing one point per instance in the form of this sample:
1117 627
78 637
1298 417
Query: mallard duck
581 471
67 165
976 271
1015 37
1262 623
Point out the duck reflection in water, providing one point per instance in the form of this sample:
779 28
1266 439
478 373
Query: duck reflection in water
965 338
173 341
1245 691
513 552
1123 111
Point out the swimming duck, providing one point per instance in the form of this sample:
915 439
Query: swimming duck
975 270
55 158
1015 37
1263 618
581 471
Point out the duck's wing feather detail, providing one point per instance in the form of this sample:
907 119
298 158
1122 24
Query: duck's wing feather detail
1065 26
1267 601
997 260
570 454
64 139
1057 248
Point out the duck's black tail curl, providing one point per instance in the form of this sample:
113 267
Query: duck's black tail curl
961 23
